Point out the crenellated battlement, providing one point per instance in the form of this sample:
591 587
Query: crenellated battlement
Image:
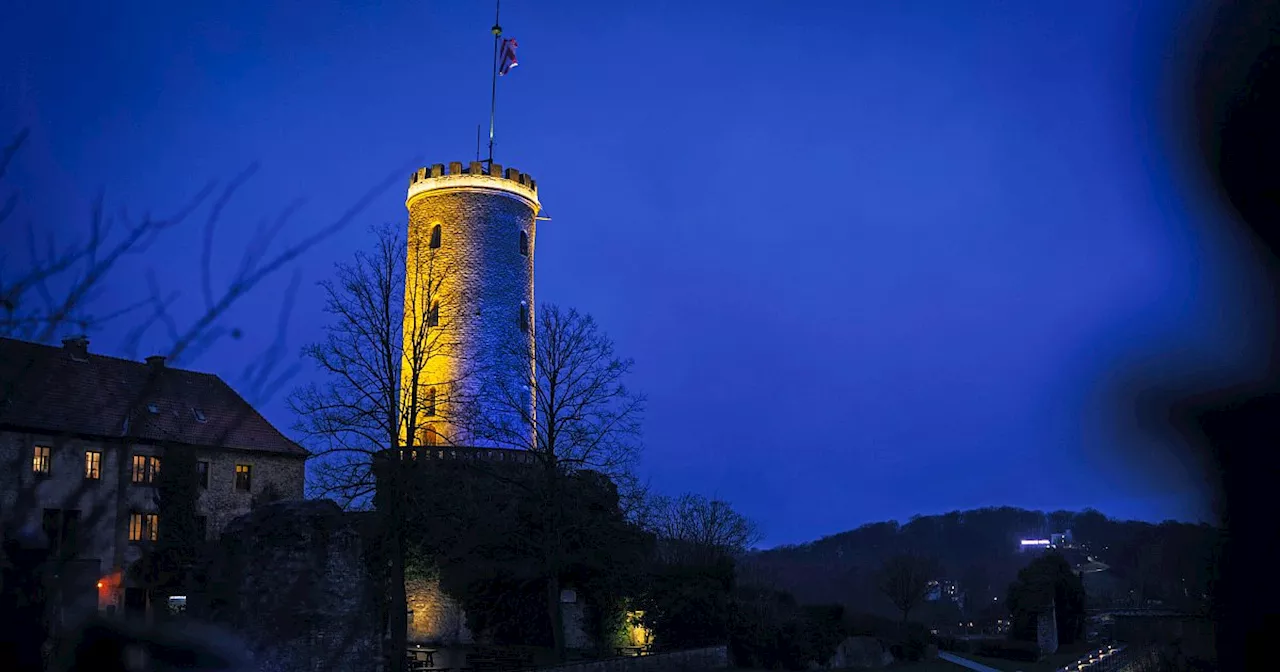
473 176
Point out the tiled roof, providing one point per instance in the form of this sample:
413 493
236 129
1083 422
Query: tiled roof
43 388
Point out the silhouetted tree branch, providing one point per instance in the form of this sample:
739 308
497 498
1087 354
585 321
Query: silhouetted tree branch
904 579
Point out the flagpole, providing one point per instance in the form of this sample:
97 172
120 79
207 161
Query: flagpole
493 94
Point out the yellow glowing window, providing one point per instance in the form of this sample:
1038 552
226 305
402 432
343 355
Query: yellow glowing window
145 469
244 476
92 465
427 436
40 459
435 236
144 527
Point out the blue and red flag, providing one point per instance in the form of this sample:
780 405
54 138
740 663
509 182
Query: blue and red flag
508 57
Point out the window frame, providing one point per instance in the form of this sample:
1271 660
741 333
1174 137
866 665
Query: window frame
524 243
41 460
247 471
144 527
93 465
436 235
433 314
149 472
202 473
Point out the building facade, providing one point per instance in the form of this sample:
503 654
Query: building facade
83 439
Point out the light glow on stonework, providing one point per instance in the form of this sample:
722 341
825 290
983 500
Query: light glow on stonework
637 634
469 182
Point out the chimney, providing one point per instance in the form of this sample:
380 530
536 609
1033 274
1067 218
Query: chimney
77 347
156 361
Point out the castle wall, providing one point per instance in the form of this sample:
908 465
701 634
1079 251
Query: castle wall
292 580
435 618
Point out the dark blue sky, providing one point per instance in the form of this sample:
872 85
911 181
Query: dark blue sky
872 258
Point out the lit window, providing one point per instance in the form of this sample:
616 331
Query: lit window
244 474
433 315
524 316
40 460
92 465
145 469
431 401
435 236
202 473
144 527
524 243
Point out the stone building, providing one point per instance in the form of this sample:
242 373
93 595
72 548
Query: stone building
470 267
470 277
83 437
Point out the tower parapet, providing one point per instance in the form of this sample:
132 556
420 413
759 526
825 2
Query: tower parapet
473 176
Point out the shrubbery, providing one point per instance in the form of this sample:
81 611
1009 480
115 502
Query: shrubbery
992 647
769 630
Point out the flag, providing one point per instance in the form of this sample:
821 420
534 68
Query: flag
508 58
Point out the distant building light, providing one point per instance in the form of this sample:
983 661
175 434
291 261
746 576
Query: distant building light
1035 542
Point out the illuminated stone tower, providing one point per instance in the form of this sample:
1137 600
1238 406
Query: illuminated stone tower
470 276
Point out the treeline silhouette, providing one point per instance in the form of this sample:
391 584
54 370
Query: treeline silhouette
1170 564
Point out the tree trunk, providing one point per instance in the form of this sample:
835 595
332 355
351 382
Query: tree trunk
556 616
398 621
398 603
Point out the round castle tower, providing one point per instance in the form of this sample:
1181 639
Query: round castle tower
469 291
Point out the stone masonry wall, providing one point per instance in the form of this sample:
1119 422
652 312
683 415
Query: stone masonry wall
25 495
221 502
485 280
292 580
435 618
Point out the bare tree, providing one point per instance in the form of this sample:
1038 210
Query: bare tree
52 287
904 579
384 392
694 528
572 412
382 389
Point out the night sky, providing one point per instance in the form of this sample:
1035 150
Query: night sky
872 259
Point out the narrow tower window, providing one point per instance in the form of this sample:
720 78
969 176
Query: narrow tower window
524 316
431 401
524 243
433 315
435 236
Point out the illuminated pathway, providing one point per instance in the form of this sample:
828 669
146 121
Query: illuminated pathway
953 658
